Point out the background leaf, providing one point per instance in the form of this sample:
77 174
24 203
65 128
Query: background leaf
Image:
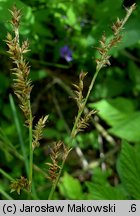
70 187
120 114
100 189
100 192
129 169
113 111
128 128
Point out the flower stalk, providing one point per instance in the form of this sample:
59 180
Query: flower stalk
22 86
81 123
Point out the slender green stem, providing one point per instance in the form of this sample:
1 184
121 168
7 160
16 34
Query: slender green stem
44 63
52 191
84 104
6 195
31 148
6 175
19 133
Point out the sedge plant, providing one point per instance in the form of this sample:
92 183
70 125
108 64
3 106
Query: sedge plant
80 122
22 86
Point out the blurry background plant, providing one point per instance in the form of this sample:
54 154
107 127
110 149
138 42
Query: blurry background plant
62 38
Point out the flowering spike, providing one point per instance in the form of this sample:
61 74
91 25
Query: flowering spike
79 90
22 84
105 47
19 184
37 133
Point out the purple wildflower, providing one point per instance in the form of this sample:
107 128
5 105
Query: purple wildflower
66 53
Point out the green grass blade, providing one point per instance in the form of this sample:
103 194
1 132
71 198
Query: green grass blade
6 195
13 107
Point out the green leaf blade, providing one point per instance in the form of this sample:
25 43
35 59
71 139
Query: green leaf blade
129 169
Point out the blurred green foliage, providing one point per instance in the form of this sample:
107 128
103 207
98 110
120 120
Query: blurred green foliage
113 172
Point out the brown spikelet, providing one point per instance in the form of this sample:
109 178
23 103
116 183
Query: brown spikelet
79 90
37 132
16 16
19 184
58 154
83 122
53 166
